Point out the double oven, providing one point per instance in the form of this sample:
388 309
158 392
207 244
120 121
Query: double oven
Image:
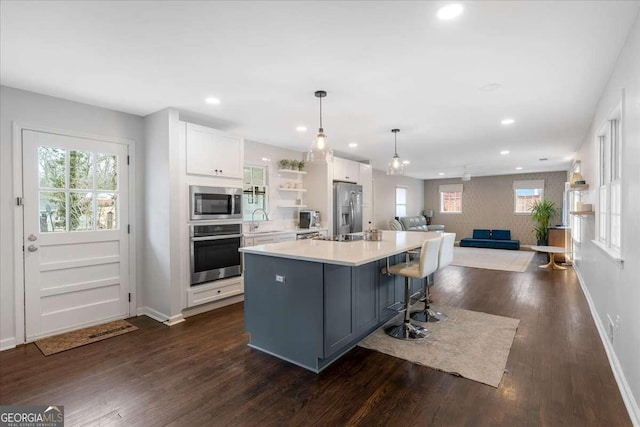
215 233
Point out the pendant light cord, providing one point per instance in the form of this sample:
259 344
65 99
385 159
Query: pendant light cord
320 112
395 143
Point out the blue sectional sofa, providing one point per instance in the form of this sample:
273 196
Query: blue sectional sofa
495 239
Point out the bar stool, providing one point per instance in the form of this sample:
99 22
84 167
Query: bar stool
427 264
445 257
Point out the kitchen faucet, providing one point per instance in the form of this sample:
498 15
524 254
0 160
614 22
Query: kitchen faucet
253 226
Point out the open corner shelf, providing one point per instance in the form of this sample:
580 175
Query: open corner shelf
297 190
582 213
583 187
293 171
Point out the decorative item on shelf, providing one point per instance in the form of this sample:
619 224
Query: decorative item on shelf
285 164
396 167
301 165
541 213
295 165
320 150
576 179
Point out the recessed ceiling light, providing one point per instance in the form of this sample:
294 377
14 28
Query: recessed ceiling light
266 159
518 168
503 152
353 144
405 162
301 128
491 87
441 173
450 11
212 100
507 121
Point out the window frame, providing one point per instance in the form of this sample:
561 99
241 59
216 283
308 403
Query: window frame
406 198
515 200
442 193
246 212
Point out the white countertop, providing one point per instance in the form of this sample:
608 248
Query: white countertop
345 253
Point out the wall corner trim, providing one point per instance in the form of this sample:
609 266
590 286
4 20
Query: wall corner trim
154 314
627 396
174 320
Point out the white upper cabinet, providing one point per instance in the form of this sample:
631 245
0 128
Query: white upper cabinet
213 153
364 179
345 170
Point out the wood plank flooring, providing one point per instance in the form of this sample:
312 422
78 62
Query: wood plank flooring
201 372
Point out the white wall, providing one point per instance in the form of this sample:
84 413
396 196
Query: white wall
39 110
384 197
615 288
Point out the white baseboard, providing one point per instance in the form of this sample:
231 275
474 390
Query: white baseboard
154 314
174 320
192 311
7 343
618 373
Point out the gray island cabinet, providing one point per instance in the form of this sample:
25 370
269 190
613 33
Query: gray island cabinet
308 302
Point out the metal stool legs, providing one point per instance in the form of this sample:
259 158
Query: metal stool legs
428 315
407 330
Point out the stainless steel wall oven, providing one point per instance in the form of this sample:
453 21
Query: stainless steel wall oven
214 252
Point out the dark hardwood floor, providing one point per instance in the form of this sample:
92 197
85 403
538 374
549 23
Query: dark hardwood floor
201 372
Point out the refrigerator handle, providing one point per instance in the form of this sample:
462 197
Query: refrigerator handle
352 214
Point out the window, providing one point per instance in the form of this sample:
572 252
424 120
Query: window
526 194
575 198
609 191
451 198
78 190
254 192
401 201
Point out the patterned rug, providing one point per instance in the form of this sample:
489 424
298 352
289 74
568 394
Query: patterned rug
492 259
469 344
73 339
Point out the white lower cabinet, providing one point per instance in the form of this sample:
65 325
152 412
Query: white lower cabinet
214 291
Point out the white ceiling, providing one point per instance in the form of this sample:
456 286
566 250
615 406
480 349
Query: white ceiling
383 64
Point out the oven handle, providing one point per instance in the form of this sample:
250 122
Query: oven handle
225 236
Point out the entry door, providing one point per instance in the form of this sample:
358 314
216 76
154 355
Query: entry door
76 250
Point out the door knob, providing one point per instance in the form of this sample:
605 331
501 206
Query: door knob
32 248
32 238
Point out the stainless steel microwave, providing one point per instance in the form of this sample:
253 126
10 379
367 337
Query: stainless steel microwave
209 203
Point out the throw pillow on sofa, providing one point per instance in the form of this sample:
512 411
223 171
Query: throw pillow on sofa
479 233
501 234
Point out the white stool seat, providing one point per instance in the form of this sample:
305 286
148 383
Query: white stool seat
419 269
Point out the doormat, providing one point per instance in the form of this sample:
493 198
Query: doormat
470 344
73 339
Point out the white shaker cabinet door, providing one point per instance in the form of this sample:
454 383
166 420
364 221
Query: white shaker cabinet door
214 153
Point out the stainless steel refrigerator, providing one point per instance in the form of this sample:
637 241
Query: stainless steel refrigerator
347 208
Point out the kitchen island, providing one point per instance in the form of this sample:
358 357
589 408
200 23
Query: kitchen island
311 301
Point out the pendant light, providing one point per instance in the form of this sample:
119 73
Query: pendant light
320 150
396 167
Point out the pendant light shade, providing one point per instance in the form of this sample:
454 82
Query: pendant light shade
320 150
396 167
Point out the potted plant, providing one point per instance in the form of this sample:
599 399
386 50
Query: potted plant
301 165
541 213
284 164
294 164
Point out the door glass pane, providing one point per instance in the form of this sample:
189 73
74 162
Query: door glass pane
51 167
81 211
107 211
80 170
53 216
106 172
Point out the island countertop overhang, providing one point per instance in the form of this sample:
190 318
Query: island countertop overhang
352 254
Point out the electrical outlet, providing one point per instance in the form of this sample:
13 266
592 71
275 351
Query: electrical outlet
279 278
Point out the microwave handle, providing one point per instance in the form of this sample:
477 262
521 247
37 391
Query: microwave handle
224 236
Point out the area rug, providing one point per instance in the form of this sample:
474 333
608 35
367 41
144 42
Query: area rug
492 259
470 344
73 339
